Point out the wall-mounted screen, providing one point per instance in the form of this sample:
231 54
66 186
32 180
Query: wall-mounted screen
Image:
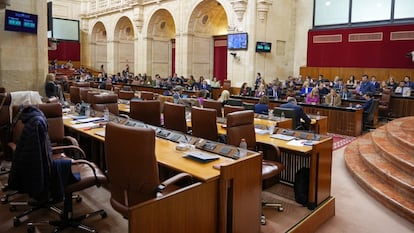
263 47
65 29
20 22
237 41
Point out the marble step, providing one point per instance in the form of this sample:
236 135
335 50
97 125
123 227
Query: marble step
401 132
386 171
394 153
375 186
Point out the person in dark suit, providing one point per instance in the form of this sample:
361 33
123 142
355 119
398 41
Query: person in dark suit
301 115
366 107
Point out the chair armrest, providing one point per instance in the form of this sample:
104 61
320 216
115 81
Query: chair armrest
70 147
91 166
124 116
269 151
170 181
69 140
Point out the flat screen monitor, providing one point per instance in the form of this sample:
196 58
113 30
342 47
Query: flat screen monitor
20 22
65 29
237 41
263 47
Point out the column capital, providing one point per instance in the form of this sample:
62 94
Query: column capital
239 7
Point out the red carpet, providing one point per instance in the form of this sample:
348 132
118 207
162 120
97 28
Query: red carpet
340 141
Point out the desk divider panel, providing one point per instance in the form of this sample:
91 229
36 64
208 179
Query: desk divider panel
240 195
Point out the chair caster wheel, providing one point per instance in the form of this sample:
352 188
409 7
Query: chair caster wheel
16 222
4 200
263 220
104 215
12 208
78 199
30 229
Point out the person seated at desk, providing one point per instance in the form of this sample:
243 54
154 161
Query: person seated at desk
345 93
178 93
215 83
169 91
402 89
245 90
313 97
260 91
51 88
224 96
300 114
202 95
306 89
333 99
275 91
263 106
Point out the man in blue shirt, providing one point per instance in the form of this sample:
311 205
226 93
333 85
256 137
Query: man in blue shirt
366 86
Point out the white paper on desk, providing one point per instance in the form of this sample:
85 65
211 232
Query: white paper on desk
84 125
261 131
296 142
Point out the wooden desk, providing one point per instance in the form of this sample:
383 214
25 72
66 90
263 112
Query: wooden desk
204 206
401 106
340 120
317 157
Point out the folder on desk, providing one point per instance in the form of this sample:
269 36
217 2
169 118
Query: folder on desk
282 137
201 156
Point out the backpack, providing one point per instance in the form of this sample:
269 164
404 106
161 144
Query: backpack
301 186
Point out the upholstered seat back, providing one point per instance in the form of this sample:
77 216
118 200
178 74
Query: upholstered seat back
132 166
240 124
53 114
126 95
230 108
110 101
147 111
74 94
174 117
213 104
204 123
147 95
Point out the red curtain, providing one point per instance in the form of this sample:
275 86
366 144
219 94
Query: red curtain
66 50
220 58
380 53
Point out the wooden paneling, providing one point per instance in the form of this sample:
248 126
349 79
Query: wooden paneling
402 106
345 72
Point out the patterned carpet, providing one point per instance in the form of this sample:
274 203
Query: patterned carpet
340 141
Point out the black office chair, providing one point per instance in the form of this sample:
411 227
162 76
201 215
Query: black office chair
234 102
289 113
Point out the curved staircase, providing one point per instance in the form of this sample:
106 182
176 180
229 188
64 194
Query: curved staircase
382 162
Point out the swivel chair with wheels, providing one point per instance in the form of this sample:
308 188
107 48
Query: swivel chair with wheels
240 125
174 117
50 180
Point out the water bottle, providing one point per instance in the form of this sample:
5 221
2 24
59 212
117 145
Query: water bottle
282 116
243 147
87 110
270 114
318 115
106 114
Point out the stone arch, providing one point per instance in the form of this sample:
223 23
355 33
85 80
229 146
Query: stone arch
98 45
208 19
123 44
160 34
